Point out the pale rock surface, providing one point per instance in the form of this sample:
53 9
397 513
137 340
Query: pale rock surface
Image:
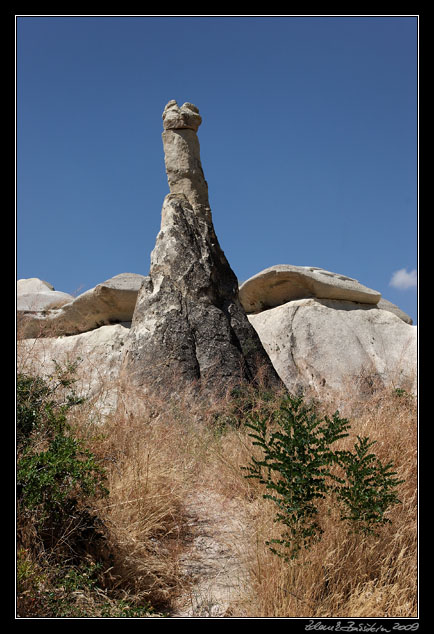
33 285
284 282
182 154
318 344
384 304
186 117
100 351
36 295
39 302
109 302
215 561
189 326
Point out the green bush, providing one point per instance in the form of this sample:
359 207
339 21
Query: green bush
51 481
299 467
369 490
31 396
54 470
66 591
57 478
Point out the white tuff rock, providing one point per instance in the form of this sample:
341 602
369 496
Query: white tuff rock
34 295
99 353
285 282
188 324
111 301
331 344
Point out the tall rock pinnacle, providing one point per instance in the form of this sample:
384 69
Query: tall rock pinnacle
188 324
182 153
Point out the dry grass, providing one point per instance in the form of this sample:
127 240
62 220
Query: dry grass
152 457
343 575
157 449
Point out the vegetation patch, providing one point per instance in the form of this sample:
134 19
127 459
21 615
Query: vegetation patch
104 502
300 465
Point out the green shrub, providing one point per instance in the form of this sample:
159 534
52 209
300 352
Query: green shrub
31 396
369 489
51 481
299 467
73 592
54 470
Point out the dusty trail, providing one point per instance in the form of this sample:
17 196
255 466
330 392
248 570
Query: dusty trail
214 559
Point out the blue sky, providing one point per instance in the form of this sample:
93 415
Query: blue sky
308 143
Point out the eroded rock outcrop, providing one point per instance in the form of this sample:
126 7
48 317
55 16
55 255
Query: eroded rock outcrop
188 324
325 331
284 282
338 346
307 328
384 304
97 355
35 295
182 154
110 302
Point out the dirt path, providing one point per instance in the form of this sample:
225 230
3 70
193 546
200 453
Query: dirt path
213 560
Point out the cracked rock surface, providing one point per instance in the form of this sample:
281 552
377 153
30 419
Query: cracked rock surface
189 325
330 344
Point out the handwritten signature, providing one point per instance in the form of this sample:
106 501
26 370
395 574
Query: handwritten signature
352 626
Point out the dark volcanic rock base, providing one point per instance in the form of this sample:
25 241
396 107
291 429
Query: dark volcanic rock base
189 326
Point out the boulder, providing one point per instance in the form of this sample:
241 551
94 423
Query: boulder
186 117
323 344
189 327
33 285
384 304
35 295
40 302
284 282
110 302
98 353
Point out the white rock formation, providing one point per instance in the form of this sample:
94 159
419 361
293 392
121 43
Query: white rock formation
100 352
33 285
34 295
384 304
110 302
333 344
284 282
182 155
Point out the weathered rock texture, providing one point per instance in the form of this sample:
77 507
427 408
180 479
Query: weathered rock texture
189 325
284 282
35 295
98 353
33 285
110 302
321 330
182 154
384 304
338 345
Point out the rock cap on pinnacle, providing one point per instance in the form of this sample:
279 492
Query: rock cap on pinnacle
186 117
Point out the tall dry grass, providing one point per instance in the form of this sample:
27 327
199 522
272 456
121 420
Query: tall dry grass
153 452
159 448
344 575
